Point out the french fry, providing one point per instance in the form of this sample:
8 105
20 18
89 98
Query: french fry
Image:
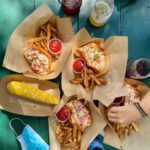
76 81
67 137
44 28
48 32
41 34
77 147
59 138
79 136
58 129
102 81
61 134
91 85
95 80
53 30
117 127
35 39
120 131
130 127
66 128
74 131
90 71
44 33
135 127
37 45
86 83
44 45
68 145
39 48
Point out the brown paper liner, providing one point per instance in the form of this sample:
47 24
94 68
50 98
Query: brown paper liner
111 137
14 59
98 124
116 49
22 106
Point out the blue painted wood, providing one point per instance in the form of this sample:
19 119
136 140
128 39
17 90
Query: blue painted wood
135 23
110 28
55 6
130 18
11 14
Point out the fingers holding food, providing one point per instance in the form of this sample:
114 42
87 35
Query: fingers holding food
124 115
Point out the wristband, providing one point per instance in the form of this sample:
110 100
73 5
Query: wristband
140 109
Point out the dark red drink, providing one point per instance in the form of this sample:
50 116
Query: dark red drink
138 69
118 101
71 6
63 114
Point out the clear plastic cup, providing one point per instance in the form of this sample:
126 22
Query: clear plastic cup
138 69
101 12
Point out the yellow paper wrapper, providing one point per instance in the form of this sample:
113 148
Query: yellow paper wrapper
116 49
22 106
137 140
14 59
98 124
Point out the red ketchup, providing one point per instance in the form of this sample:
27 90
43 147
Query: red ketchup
78 65
71 6
55 46
63 114
118 101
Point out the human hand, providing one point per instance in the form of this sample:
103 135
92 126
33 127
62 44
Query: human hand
124 115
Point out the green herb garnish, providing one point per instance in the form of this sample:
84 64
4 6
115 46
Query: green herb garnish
96 56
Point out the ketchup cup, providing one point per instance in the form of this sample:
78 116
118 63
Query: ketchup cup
55 46
63 114
78 65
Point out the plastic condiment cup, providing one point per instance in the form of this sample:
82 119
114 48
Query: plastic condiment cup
66 118
55 47
78 59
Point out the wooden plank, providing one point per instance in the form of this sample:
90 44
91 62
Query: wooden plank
55 6
135 23
110 28
11 14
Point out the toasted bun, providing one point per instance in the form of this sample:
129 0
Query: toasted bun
45 54
104 61
74 115
95 45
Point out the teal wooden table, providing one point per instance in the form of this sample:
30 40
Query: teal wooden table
130 18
